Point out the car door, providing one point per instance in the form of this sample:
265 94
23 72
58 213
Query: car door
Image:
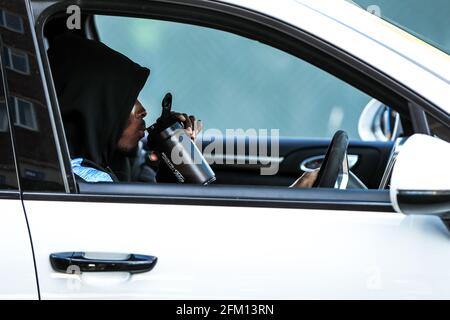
220 241
17 272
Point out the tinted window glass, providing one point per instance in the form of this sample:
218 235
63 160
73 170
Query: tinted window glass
33 134
8 175
6 58
3 117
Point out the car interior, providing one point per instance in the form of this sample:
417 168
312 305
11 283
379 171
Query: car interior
369 162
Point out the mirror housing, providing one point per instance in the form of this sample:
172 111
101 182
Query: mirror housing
420 181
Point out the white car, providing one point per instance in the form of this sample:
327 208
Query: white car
380 234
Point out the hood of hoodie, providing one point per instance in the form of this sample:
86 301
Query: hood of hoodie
96 88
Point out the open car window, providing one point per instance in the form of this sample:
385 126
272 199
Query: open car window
274 108
232 82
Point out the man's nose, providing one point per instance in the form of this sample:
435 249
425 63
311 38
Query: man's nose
141 113
144 112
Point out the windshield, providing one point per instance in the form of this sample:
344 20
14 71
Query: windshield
426 20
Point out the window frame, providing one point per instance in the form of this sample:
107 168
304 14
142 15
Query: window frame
244 22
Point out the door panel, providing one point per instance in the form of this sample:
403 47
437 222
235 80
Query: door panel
17 274
224 252
372 160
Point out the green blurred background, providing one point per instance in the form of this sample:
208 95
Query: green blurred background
230 82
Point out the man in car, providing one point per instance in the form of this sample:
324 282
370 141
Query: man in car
98 91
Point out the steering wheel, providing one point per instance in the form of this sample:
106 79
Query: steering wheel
334 171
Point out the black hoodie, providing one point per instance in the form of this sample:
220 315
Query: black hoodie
96 88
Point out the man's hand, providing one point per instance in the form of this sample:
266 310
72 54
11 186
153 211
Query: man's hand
191 125
306 180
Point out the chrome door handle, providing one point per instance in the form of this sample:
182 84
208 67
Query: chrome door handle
77 262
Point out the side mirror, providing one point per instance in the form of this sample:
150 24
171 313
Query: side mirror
379 122
420 181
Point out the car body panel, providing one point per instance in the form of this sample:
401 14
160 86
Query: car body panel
223 252
17 273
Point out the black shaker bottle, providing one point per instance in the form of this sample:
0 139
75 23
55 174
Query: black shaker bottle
176 148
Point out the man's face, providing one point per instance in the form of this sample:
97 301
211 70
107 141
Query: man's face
134 129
